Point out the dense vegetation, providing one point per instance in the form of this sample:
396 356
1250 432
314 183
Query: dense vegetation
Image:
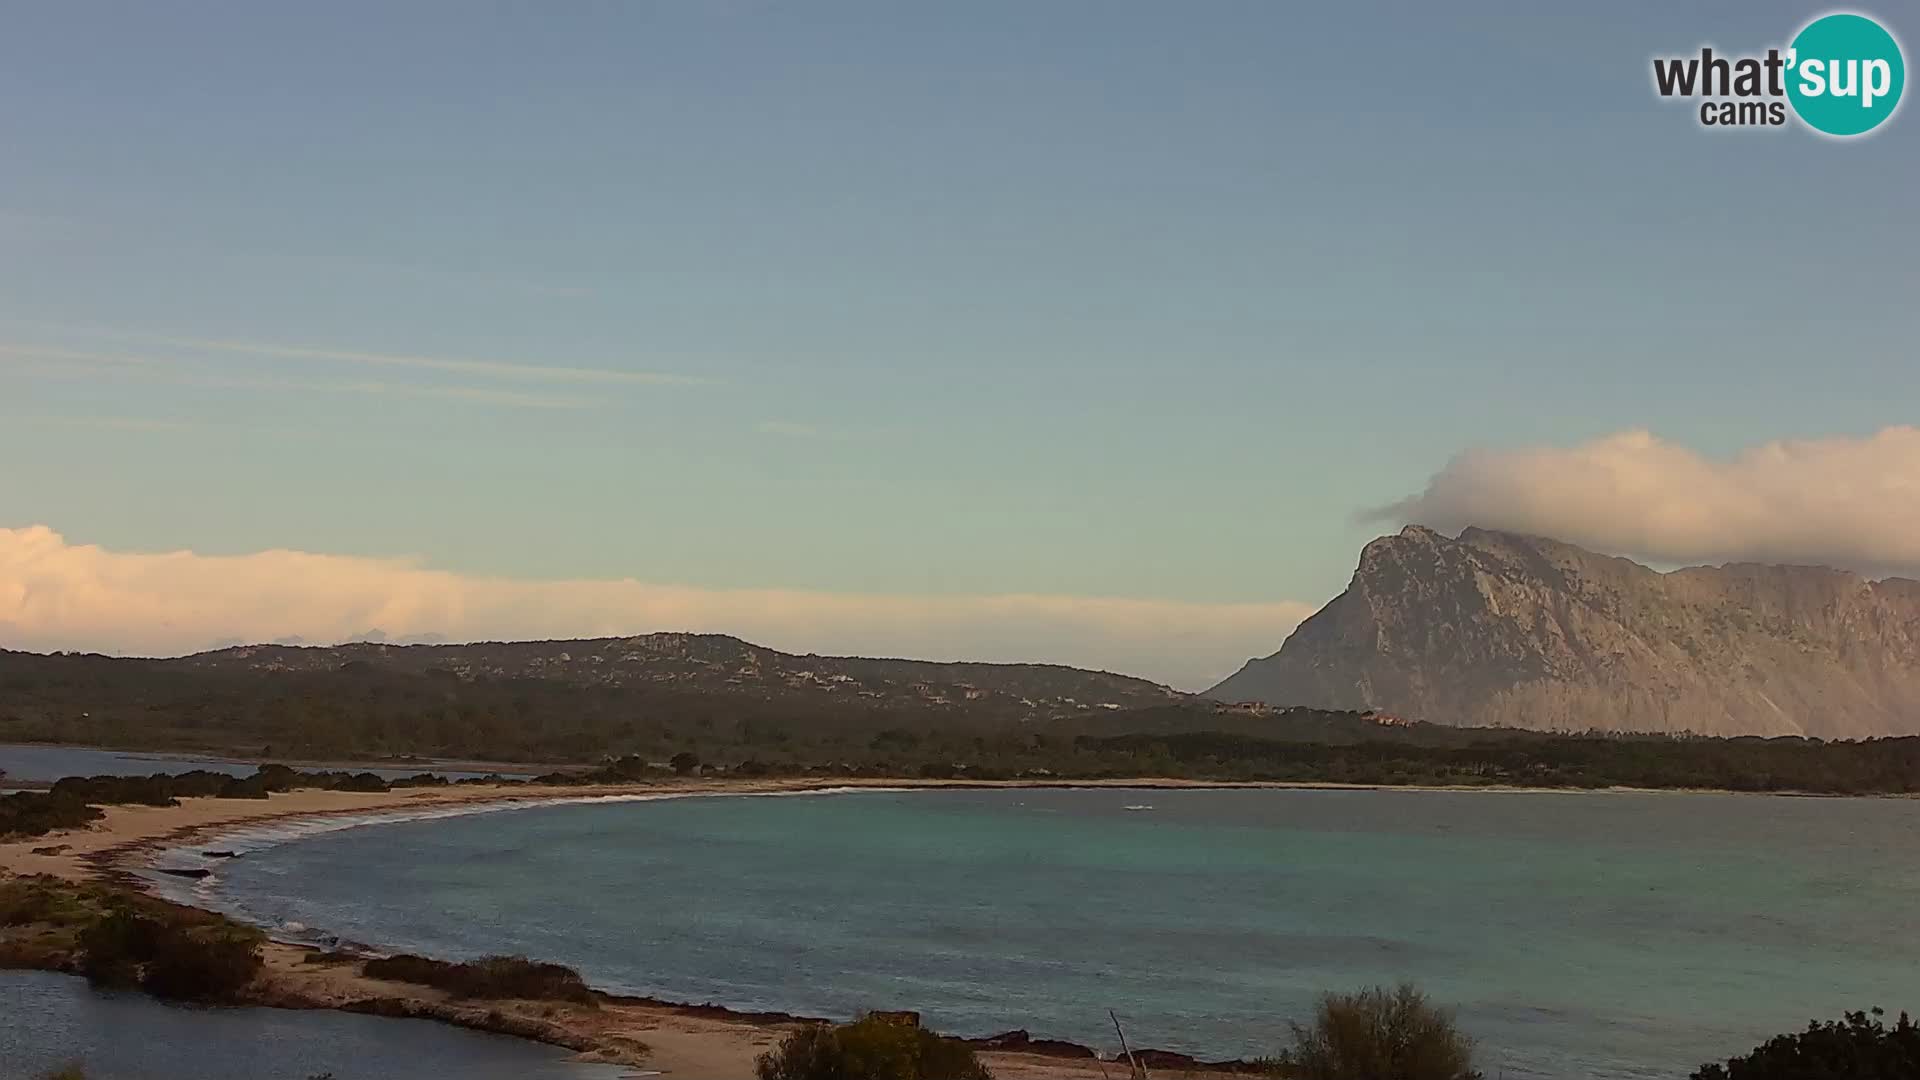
871 1048
1474 756
1380 1034
75 800
120 938
493 977
1857 1047
364 711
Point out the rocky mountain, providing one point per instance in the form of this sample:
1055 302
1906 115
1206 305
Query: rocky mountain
716 663
1495 628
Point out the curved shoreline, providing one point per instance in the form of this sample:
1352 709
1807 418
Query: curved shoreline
695 1041
690 1040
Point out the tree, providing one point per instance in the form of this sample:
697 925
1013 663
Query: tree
1381 1034
684 763
870 1048
1858 1047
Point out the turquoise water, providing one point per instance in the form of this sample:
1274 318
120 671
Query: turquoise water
48 1021
1604 935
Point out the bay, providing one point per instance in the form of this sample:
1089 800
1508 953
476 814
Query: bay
1578 934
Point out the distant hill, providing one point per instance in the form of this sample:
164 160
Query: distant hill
1494 628
739 709
717 663
580 700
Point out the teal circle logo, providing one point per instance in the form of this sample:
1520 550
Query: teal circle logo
1845 74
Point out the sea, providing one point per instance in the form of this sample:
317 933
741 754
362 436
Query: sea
1603 934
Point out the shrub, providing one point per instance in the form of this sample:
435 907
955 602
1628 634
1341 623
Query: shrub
1381 1034
187 959
630 767
419 780
204 965
69 803
115 946
1857 1047
277 777
27 900
244 787
870 1048
493 977
36 813
406 967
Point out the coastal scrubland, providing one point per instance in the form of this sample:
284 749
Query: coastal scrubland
120 937
490 977
1858 1046
388 716
876 1047
719 722
74 801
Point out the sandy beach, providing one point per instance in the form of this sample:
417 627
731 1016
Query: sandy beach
689 1041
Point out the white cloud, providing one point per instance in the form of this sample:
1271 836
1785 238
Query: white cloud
59 595
1847 502
496 369
514 371
46 362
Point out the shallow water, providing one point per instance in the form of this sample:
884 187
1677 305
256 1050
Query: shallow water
1609 935
55 1020
26 762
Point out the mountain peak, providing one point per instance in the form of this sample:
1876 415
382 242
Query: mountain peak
1503 628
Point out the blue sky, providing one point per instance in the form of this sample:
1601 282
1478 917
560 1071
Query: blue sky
1117 299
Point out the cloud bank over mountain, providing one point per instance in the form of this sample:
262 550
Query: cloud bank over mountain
1852 503
55 594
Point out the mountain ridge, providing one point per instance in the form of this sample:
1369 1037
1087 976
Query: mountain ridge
710 662
1497 628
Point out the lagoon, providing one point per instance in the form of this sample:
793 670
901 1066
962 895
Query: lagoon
57 1020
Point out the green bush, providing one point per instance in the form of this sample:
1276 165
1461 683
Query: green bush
201 965
115 947
1381 1034
25 900
190 959
36 813
1858 1047
870 1048
490 978
75 800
